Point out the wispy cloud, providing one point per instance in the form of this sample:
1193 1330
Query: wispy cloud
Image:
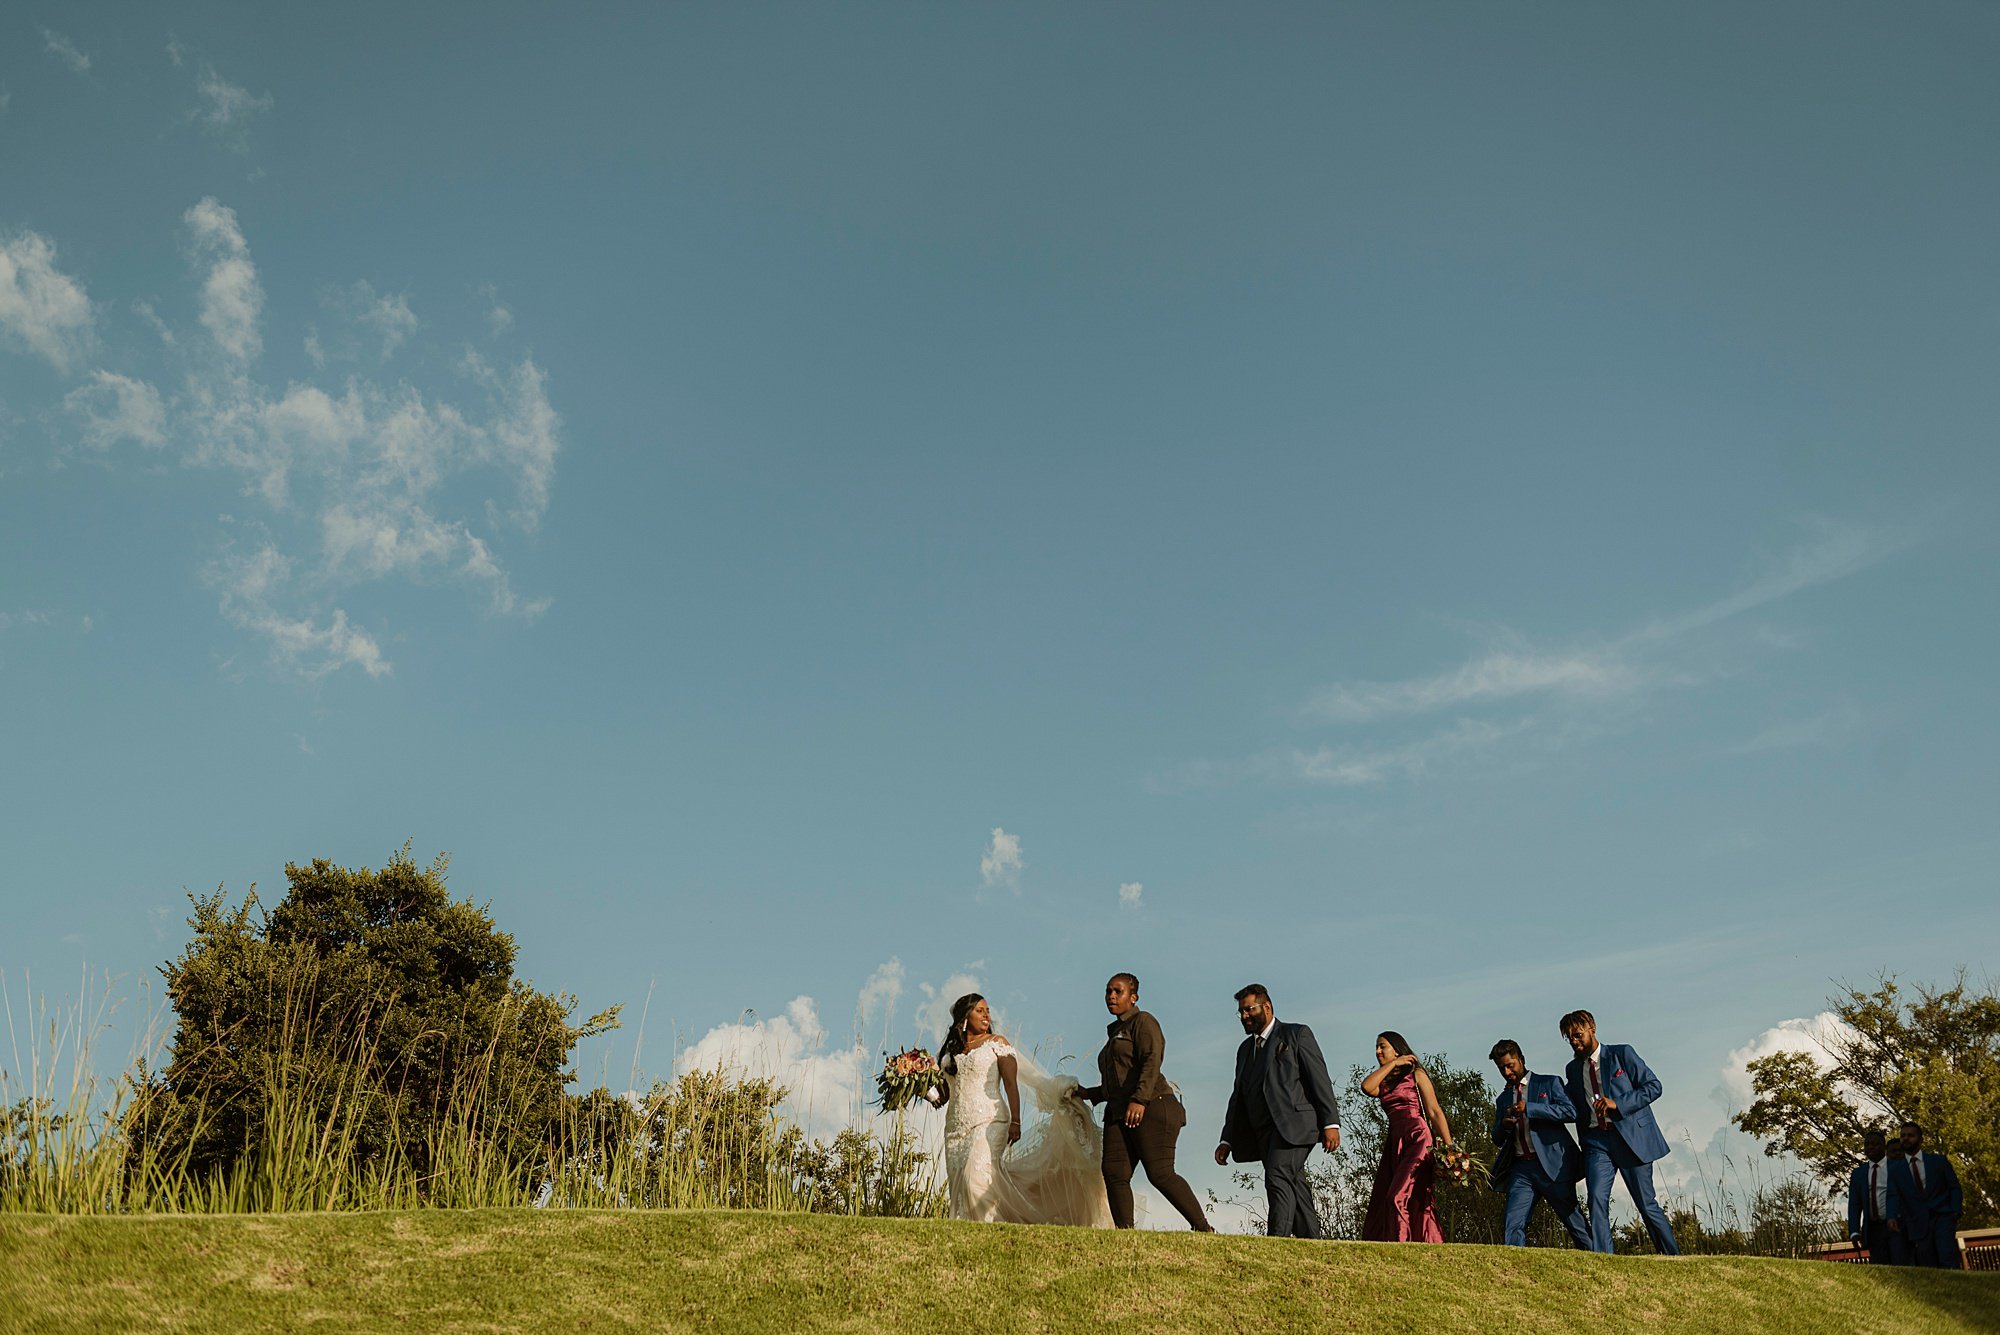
42 309
1569 689
368 325
232 298
253 584
358 478
63 49
1001 863
114 408
1502 674
225 110
1345 766
498 318
1131 894
1829 728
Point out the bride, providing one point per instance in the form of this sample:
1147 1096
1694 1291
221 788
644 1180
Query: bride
993 1174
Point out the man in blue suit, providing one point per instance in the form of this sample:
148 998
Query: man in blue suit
1925 1201
1537 1159
1613 1091
1282 1105
1868 1201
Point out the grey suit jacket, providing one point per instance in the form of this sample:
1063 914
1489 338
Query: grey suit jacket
1291 1075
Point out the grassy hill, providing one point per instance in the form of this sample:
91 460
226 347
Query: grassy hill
574 1270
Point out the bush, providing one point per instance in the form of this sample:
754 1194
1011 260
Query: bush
368 1028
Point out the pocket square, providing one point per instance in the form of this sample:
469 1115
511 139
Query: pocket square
1619 1071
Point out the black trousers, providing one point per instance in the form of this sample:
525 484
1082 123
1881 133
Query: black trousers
1151 1145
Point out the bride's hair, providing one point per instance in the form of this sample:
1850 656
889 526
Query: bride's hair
954 1038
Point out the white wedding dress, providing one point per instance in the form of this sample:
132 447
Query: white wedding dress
1051 1176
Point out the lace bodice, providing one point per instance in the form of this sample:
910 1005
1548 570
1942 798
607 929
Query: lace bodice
976 1096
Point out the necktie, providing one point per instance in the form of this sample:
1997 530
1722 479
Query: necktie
1257 1048
1871 1192
1597 1118
1917 1170
1521 1142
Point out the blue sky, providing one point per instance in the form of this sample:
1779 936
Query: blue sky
1453 512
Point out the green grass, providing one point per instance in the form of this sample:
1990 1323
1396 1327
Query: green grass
426 1270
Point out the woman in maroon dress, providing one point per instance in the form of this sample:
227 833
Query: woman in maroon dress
1402 1207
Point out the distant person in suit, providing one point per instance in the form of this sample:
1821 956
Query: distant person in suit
1613 1090
1538 1160
1868 1200
1281 1106
1925 1202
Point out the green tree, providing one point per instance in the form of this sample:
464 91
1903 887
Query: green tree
1933 1057
368 1026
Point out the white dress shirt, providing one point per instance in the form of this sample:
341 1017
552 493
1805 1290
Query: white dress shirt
1593 1087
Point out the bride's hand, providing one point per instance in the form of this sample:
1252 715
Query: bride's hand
1014 1131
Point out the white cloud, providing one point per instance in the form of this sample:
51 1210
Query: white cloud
1345 766
6 100
252 585
933 1013
1130 894
63 49
9 620
362 481
1835 551
154 322
1001 863
383 320
225 109
825 1081
115 408
498 318
1614 668
1499 675
232 300
1814 1035
41 308
175 51
1579 689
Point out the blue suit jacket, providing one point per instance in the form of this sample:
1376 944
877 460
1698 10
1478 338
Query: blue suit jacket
1860 1201
1548 1108
1291 1074
1907 1205
1936 1205
1630 1085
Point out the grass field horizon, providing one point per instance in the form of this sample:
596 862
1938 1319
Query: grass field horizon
756 1270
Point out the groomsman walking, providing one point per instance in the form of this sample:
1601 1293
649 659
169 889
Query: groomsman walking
1538 1160
1925 1201
1282 1105
1613 1090
1868 1201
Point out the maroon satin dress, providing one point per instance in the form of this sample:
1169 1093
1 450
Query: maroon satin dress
1402 1208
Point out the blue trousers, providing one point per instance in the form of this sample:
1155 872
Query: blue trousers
1529 1182
1606 1156
1938 1248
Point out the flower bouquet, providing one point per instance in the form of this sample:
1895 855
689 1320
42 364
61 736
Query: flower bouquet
1456 1165
906 1076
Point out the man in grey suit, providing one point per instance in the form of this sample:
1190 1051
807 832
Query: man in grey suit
1281 1107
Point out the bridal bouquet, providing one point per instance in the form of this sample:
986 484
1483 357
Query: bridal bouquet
1456 1165
908 1075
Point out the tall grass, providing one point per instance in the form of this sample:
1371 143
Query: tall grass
71 1138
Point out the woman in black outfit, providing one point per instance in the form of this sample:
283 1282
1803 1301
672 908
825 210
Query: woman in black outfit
1143 1116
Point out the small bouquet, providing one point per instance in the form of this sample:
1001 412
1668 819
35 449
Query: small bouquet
1456 1165
908 1075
